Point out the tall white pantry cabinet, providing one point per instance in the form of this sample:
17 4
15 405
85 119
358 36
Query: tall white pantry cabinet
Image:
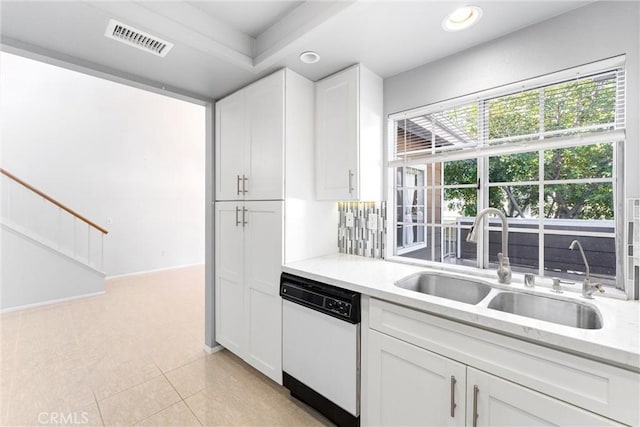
265 211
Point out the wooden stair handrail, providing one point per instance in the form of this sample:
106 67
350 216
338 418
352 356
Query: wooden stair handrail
52 200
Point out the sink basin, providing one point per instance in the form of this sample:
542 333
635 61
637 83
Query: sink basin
568 313
444 286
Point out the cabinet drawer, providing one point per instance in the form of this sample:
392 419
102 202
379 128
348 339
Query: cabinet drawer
607 390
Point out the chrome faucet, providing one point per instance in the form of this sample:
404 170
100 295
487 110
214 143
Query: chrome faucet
587 288
504 270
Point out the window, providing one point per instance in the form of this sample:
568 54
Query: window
546 154
410 208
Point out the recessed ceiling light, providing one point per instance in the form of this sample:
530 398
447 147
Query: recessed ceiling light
309 57
462 18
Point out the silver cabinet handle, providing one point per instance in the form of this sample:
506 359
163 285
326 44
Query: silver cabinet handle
453 397
350 182
476 390
245 182
238 185
244 211
237 212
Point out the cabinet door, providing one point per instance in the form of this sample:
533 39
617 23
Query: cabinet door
229 276
410 386
337 136
265 169
232 136
498 402
263 305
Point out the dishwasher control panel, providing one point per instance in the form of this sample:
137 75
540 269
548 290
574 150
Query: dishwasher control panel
337 306
336 302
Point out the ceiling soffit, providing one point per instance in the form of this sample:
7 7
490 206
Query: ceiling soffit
181 22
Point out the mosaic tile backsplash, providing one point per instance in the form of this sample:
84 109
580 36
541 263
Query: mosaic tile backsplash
362 228
633 246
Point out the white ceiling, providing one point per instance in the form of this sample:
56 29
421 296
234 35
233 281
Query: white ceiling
249 17
223 45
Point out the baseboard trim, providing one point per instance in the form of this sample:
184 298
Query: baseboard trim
211 350
157 270
50 302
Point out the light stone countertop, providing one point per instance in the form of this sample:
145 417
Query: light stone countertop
617 343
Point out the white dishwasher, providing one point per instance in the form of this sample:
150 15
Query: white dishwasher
321 347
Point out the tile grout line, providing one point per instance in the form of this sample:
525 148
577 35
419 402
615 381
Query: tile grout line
95 398
184 364
181 398
180 367
163 409
129 388
144 382
193 413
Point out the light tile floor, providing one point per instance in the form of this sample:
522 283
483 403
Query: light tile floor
132 356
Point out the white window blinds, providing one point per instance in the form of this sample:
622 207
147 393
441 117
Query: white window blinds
582 109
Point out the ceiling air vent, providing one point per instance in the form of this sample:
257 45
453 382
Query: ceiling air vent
136 38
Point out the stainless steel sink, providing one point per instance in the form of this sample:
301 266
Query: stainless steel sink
568 313
445 286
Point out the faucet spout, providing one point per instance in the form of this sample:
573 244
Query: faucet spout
584 258
587 288
504 270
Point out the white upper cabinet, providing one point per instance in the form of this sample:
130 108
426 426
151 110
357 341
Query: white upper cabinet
250 142
348 126
337 136
232 136
265 159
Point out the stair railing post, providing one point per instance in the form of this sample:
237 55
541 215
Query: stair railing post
75 249
88 244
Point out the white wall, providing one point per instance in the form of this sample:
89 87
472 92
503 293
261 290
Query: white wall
591 33
109 151
32 273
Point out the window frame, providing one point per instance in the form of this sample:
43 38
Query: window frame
616 137
402 223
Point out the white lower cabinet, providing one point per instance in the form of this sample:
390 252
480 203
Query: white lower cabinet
492 401
410 386
229 286
247 276
422 370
